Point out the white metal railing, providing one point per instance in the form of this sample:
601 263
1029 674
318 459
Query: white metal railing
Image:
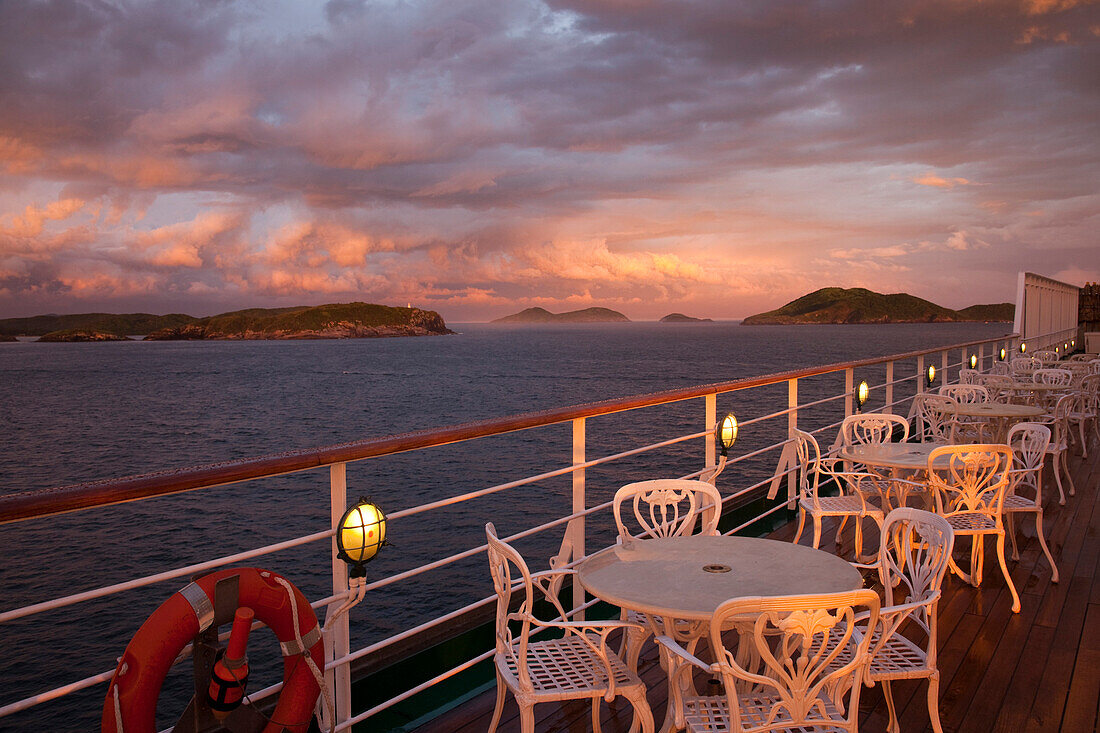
573 544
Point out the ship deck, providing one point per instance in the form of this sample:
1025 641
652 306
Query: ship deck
1038 670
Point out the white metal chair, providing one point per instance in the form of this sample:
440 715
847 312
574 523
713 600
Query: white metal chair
997 386
1001 368
933 418
1081 357
968 429
794 640
872 427
1055 377
1058 422
662 508
969 376
913 556
578 665
852 498
1029 442
1046 356
965 394
1086 409
1024 366
970 495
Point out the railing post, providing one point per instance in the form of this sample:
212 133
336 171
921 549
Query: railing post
576 526
710 417
792 423
338 642
889 387
943 366
981 358
849 383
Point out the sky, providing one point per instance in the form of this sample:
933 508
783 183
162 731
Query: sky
475 157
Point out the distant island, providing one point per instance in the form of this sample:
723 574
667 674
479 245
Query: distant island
859 305
541 315
332 321
681 318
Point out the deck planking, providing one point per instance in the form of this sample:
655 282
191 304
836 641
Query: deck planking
1038 670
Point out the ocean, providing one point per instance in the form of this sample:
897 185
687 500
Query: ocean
78 412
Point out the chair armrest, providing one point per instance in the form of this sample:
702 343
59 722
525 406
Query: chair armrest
669 643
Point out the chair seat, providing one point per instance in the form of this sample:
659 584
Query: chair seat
970 522
839 505
567 665
898 659
1014 503
712 715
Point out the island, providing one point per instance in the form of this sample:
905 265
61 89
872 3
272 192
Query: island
588 315
331 321
681 318
79 335
859 305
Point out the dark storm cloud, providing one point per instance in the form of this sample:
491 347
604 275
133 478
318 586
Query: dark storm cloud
579 147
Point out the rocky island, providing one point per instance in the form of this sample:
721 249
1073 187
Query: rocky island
588 315
79 335
859 305
681 318
333 321
336 320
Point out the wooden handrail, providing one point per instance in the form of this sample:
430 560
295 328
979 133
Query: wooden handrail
75 497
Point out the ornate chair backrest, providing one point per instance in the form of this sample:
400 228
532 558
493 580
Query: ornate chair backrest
1090 392
668 508
1059 422
998 386
1023 366
1045 355
935 416
873 427
913 557
798 640
974 480
1029 442
1059 377
965 394
1081 357
1094 366
503 559
808 453
1001 368
969 376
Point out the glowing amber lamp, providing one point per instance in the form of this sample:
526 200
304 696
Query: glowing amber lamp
1023 347
973 361
361 533
862 392
1004 354
930 375
725 433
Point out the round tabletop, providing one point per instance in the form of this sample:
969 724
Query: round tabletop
689 577
1034 387
998 409
911 456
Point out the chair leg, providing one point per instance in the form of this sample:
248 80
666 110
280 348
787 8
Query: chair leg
840 528
888 694
1069 476
1010 527
817 531
1004 569
527 718
1084 443
501 692
1043 544
1056 469
977 556
934 702
643 714
801 524
596 715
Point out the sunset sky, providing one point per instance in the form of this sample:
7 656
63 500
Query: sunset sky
476 157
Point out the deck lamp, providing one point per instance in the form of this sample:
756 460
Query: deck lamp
973 361
862 392
361 533
1023 347
930 376
1003 354
725 435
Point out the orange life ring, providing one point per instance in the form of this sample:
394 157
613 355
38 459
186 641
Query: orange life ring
145 663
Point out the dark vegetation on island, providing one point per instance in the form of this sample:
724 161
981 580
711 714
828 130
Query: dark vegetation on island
336 320
681 318
858 305
541 315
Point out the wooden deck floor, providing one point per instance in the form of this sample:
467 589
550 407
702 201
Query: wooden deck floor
1038 670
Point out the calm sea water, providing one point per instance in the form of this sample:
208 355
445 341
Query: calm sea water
77 412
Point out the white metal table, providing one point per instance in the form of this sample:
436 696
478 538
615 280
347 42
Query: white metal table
1001 414
674 580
